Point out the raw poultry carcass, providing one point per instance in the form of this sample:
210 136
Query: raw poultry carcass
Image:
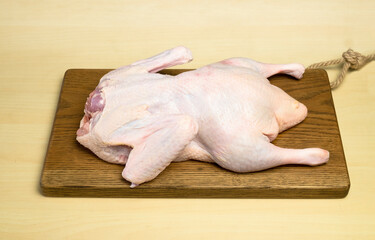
226 113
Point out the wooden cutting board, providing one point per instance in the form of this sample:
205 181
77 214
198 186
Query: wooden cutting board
70 170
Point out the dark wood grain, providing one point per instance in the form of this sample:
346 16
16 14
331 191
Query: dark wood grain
72 170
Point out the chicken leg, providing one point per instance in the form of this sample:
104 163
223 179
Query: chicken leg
266 69
251 151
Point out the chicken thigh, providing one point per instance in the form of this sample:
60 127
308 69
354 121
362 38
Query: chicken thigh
226 113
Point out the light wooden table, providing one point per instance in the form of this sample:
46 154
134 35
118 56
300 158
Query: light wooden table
39 40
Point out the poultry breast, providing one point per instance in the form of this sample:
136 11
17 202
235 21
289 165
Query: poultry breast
226 113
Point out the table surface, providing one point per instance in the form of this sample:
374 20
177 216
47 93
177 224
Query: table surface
41 39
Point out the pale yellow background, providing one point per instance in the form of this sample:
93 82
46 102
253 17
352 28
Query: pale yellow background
40 40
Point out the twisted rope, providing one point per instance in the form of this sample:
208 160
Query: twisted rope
352 60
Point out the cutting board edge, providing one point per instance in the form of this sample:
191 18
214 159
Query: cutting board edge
287 193
347 178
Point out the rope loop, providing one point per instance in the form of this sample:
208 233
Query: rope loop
355 59
351 59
